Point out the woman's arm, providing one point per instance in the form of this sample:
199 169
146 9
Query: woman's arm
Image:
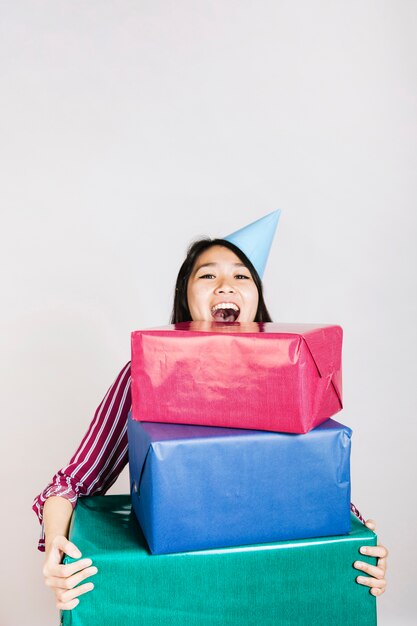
63 578
57 514
93 468
101 455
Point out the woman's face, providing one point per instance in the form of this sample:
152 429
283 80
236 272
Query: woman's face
221 288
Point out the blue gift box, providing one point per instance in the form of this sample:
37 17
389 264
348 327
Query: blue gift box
202 487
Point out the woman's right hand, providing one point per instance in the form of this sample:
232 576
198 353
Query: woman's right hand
62 579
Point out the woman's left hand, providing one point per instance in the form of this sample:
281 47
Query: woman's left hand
376 579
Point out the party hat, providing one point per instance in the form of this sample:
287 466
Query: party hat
255 239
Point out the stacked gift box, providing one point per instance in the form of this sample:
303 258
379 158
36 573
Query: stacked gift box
240 482
230 441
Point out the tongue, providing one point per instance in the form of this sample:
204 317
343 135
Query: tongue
225 315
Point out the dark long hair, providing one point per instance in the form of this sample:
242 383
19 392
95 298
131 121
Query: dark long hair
180 310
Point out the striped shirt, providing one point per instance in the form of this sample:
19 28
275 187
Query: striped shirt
101 455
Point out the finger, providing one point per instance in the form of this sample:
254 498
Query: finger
72 581
66 596
372 570
67 606
378 551
377 592
370 523
371 582
64 571
62 543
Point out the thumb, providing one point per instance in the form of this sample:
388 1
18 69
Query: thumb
61 545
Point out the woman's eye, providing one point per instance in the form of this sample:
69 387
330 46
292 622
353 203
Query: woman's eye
236 276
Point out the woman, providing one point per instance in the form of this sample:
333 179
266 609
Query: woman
216 282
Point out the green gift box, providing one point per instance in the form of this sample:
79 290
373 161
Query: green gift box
309 581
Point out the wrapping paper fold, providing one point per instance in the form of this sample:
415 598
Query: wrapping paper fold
278 377
298 583
196 487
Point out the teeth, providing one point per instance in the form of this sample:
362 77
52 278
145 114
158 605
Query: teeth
225 305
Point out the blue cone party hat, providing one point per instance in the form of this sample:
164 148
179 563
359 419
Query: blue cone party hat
255 239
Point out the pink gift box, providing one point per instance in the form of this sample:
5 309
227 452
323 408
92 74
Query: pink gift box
264 376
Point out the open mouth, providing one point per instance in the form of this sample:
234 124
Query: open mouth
225 312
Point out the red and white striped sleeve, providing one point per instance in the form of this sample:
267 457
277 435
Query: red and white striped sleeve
356 512
101 455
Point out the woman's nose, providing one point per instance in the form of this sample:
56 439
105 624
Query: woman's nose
224 286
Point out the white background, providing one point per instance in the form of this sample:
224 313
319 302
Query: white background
128 129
